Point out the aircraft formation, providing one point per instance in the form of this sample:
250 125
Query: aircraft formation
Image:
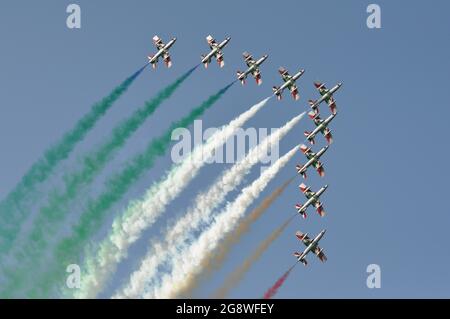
321 125
253 68
313 198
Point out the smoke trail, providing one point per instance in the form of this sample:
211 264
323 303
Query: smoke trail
141 214
217 259
92 218
274 289
51 215
96 160
184 229
188 264
236 276
13 210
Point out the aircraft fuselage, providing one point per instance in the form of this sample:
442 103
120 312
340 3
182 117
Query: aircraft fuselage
253 67
321 127
314 159
215 50
327 95
312 245
158 54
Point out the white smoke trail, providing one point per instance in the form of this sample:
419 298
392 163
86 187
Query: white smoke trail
182 233
140 214
188 262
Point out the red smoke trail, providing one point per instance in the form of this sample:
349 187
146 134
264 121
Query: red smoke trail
274 289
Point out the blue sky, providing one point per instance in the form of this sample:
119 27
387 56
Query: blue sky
387 169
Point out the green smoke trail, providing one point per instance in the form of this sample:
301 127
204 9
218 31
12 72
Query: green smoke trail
12 212
57 206
91 220
52 214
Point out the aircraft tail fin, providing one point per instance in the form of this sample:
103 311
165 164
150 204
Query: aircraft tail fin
241 76
276 91
302 260
309 137
299 170
314 106
151 61
299 210
205 62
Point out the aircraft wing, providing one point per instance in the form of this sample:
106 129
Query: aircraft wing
158 42
286 77
218 54
317 120
257 75
319 207
307 151
321 88
294 91
303 238
167 59
250 62
309 194
211 41
293 87
306 190
284 74
332 104
327 134
248 59
319 167
320 254
219 58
